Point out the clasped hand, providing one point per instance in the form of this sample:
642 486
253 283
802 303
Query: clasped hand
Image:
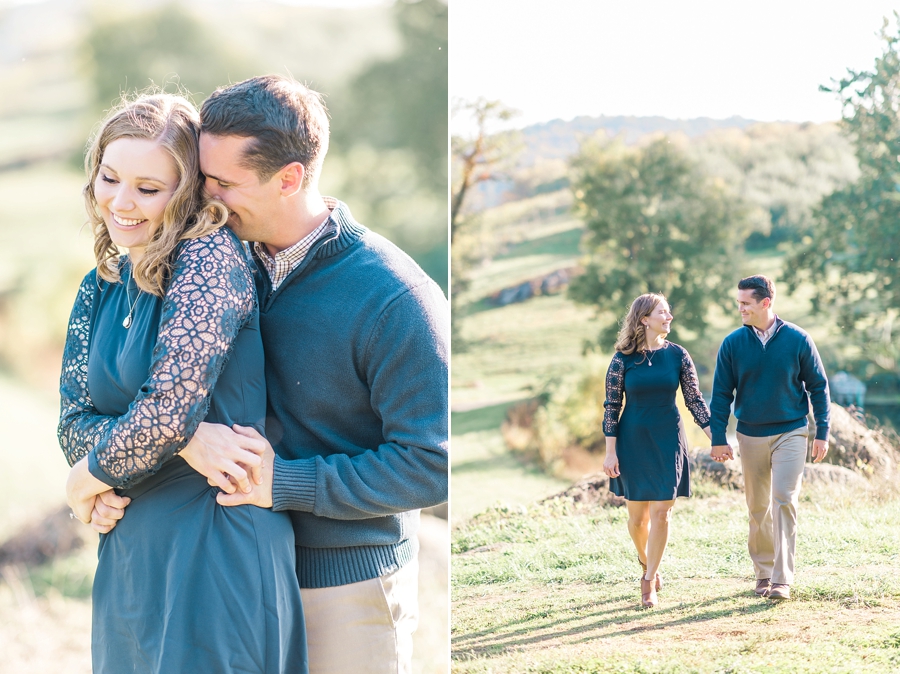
721 453
238 460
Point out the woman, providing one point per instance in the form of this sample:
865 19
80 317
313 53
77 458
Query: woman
646 448
182 584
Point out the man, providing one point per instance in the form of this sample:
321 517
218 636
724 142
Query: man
356 347
771 370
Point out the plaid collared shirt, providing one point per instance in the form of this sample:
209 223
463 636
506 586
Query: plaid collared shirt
286 261
766 335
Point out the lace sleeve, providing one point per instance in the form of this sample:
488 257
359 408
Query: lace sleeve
691 390
615 392
81 426
210 298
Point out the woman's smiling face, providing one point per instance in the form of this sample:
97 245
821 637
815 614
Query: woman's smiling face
136 180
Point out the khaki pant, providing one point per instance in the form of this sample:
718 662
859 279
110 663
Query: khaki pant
773 470
365 627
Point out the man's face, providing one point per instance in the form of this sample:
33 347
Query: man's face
251 203
754 312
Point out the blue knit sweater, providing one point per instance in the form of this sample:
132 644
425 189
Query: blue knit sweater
771 385
356 346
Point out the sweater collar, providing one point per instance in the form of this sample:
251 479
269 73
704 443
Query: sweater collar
346 230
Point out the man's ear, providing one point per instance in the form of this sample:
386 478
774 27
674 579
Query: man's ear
291 177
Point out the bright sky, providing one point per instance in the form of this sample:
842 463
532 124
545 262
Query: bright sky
762 60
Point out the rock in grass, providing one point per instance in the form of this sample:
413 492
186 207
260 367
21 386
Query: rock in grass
57 535
829 474
590 491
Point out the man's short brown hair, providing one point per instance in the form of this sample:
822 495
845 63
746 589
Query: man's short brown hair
762 286
287 121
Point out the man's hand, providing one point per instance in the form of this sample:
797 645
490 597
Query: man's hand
819 450
721 453
109 508
224 457
261 493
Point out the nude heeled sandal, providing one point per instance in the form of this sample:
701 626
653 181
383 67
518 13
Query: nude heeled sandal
648 594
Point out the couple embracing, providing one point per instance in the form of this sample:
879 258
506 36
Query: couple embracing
252 428
771 371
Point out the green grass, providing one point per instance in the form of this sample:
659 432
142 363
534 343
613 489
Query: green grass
483 473
554 589
512 349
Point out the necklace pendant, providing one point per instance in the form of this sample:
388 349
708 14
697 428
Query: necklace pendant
127 322
649 363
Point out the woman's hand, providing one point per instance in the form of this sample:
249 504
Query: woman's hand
82 489
611 464
109 508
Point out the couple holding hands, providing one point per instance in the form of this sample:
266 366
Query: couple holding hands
252 427
771 371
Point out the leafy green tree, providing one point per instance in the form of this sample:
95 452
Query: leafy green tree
402 102
389 131
655 223
851 256
159 47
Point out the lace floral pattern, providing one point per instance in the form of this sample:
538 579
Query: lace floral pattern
81 426
210 298
615 392
690 388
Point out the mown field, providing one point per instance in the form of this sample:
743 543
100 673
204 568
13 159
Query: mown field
551 588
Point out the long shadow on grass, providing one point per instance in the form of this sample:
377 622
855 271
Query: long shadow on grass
486 642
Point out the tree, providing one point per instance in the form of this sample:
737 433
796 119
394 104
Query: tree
851 257
402 102
134 51
389 138
655 223
478 157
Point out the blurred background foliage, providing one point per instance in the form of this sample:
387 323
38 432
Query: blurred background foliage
383 70
382 67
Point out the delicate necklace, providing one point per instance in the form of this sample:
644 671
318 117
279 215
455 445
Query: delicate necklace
649 353
127 322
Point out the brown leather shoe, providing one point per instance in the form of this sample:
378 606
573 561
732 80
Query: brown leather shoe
762 586
648 593
659 583
779 592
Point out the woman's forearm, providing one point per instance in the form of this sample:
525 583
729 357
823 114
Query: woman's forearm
610 445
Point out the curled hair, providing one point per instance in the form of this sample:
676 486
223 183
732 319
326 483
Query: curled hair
286 121
174 125
762 287
633 334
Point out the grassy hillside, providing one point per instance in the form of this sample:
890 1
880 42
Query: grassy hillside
554 589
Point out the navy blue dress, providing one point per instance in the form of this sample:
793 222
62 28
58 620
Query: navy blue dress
650 440
182 584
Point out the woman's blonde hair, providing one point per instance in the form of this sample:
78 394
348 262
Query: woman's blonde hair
173 123
632 335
